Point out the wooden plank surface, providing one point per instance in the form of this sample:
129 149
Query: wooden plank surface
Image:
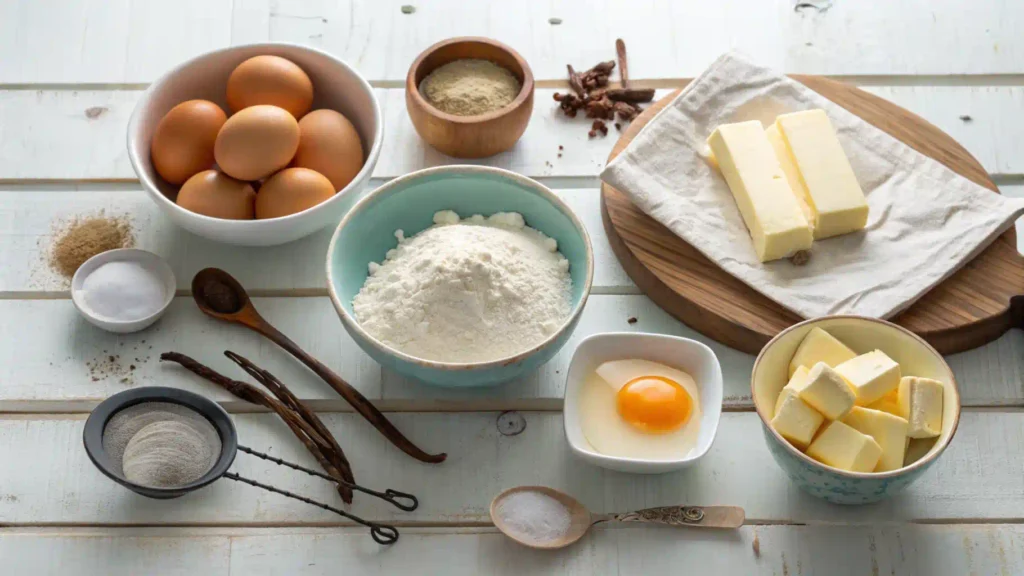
133 41
754 550
978 477
85 130
51 366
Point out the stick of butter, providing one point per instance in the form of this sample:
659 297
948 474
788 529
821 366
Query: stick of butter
768 205
840 446
820 346
920 402
889 431
826 180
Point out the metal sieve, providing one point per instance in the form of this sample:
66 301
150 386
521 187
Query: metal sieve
212 412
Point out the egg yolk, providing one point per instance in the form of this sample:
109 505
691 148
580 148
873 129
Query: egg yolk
654 404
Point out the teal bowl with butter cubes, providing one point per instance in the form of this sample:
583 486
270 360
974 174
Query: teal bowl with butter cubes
915 357
408 203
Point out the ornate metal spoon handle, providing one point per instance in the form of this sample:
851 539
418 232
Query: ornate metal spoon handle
699 516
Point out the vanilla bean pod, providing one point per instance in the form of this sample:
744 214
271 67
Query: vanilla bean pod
303 430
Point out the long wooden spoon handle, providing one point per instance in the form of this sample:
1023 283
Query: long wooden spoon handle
350 394
696 516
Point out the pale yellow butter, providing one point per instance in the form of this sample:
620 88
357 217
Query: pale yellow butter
792 174
796 421
888 430
827 392
820 346
840 446
920 402
829 185
794 386
872 376
767 204
888 403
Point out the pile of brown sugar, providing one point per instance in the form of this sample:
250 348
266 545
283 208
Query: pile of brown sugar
86 237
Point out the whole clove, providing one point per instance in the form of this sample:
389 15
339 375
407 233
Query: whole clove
575 82
625 110
591 94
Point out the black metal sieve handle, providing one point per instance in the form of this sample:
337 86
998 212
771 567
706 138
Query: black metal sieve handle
394 497
381 533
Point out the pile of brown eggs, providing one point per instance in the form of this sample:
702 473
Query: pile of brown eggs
272 157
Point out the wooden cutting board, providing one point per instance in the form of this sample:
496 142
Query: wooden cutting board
974 306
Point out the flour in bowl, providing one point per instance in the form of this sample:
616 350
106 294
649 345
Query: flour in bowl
471 290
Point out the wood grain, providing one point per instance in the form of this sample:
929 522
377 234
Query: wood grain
974 306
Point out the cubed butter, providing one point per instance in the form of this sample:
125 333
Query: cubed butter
872 376
840 446
920 402
888 403
888 430
829 185
795 384
777 226
827 392
820 346
796 421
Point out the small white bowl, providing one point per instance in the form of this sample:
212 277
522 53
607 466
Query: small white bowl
336 85
687 355
151 262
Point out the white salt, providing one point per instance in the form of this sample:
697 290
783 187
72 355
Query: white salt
123 291
534 517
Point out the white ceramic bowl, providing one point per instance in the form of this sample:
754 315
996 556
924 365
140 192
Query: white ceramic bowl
687 355
149 261
336 85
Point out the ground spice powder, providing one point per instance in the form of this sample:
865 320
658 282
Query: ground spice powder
86 237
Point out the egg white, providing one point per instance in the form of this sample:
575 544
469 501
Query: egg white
609 434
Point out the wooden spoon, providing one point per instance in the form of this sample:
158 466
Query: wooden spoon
220 296
582 519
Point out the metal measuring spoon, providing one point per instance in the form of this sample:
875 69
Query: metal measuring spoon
582 519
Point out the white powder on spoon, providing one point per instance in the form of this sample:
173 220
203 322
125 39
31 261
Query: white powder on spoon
471 290
534 517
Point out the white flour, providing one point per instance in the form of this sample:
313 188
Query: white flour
474 290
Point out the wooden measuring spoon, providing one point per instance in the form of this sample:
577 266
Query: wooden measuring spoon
582 519
220 296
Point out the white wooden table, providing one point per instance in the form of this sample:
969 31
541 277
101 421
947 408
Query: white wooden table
70 73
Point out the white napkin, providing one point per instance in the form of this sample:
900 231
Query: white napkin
925 220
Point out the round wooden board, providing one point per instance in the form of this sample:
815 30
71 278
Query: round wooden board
973 307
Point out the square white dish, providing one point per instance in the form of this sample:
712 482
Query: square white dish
688 355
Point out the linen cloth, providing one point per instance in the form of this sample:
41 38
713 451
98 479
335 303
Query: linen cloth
925 220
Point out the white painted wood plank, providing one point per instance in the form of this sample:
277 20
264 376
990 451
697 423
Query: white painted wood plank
28 216
978 476
52 365
52 361
79 134
134 41
837 550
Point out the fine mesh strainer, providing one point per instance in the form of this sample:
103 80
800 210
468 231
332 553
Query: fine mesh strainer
212 412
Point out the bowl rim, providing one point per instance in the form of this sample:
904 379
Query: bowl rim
165 272
352 325
412 89
617 462
364 173
846 473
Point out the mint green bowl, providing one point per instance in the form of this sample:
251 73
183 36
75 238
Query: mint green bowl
409 203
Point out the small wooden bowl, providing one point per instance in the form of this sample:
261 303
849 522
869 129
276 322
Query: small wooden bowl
469 136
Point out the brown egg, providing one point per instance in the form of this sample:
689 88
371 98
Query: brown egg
256 142
329 144
183 140
212 193
290 191
270 80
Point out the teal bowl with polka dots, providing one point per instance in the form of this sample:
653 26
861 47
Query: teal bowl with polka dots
915 357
